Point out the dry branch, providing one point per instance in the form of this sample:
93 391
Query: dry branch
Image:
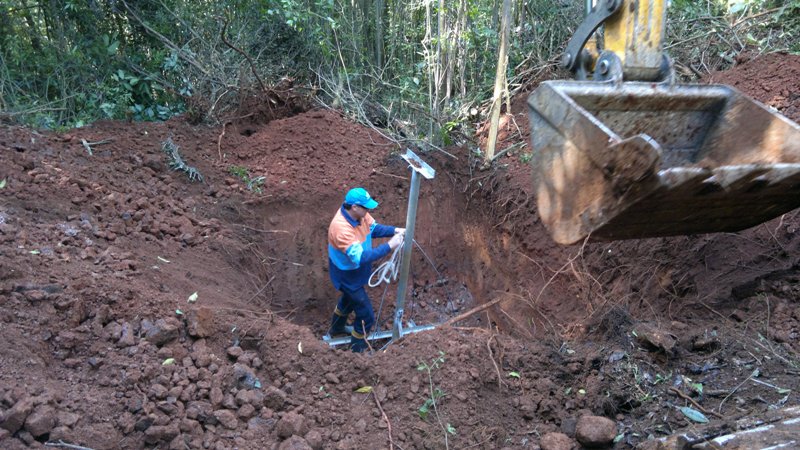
219 142
88 145
239 51
473 311
171 45
63 444
385 418
496 368
680 394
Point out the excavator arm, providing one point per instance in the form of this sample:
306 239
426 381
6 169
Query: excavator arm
626 152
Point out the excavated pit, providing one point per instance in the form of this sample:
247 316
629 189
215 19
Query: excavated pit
140 310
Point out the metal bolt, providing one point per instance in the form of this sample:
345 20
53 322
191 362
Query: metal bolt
566 59
603 67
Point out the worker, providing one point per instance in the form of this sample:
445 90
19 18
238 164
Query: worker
351 254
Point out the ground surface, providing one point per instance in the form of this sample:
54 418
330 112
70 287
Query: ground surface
103 343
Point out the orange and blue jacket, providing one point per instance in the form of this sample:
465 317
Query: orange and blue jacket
350 249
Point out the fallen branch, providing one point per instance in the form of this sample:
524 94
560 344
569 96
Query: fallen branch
680 394
508 149
219 141
496 368
265 231
366 337
389 174
474 311
719 408
261 290
385 418
88 145
63 444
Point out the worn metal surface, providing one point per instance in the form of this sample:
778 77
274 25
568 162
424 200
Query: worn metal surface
635 160
595 17
635 36
377 335
418 168
777 429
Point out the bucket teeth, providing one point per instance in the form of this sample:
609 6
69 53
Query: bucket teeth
636 160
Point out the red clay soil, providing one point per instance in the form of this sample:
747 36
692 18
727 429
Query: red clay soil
142 310
770 79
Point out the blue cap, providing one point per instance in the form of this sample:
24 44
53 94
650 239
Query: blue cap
360 197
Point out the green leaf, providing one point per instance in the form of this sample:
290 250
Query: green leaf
694 415
179 312
619 437
168 362
784 391
192 298
2 183
364 389
34 252
582 391
513 374
697 387
112 49
451 429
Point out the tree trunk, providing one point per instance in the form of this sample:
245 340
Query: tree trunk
379 7
33 30
441 32
432 102
499 84
463 47
452 54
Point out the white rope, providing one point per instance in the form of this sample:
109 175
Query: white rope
388 270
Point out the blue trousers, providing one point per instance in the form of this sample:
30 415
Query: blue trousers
355 301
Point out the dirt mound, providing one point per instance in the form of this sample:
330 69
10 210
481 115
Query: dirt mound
140 309
772 79
275 102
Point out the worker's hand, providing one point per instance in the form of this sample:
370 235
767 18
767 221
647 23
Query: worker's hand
399 231
396 240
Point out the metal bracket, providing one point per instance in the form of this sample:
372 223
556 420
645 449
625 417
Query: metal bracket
418 165
596 17
398 322
377 335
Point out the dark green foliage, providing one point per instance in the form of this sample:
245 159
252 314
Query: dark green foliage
69 62
707 36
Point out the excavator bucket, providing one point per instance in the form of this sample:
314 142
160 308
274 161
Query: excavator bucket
637 160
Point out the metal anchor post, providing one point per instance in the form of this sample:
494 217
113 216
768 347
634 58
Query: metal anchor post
418 167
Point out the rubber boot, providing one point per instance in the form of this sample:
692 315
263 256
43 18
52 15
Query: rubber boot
339 325
358 345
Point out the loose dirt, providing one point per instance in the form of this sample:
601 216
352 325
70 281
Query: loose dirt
142 310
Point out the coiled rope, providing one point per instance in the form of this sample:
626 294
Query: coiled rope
388 269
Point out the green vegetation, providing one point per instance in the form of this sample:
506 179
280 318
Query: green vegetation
435 394
423 68
254 184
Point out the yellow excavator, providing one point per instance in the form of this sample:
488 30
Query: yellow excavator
625 152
